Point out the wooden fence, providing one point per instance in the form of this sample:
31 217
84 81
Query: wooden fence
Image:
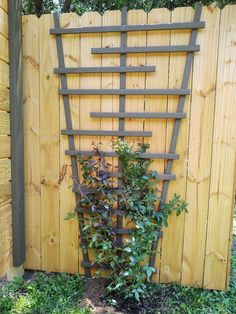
195 249
5 164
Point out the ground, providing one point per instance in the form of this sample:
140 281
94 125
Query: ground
40 293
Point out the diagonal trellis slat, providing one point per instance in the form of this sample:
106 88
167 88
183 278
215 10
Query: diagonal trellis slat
67 111
180 108
62 70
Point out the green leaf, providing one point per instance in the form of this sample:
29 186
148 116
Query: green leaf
70 216
127 249
136 294
150 271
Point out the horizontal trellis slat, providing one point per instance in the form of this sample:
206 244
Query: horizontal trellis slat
89 211
113 154
174 91
94 265
127 69
86 190
127 28
150 49
163 176
116 243
105 133
141 115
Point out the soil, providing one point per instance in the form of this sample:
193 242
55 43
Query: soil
94 299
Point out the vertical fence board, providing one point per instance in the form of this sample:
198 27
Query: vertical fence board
91 102
69 229
223 158
158 79
200 148
32 140
172 242
50 132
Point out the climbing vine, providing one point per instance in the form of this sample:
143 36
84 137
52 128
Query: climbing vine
128 264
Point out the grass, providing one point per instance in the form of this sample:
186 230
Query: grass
176 299
184 300
47 293
62 293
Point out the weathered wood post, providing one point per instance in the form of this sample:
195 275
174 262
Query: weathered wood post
12 249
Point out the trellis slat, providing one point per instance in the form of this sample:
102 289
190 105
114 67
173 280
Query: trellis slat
128 28
113 154
139 115
175 91
105 69
149 49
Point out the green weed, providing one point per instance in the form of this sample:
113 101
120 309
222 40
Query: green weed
47 293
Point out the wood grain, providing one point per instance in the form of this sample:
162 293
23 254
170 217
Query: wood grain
172 243
3 23
89 103
5 238
4 50
223 159
4 123
5 170
49 147
32 139
5 146
4 5
69 235
4 98
158 79
135 80
200 148
195 248
5 193
4 74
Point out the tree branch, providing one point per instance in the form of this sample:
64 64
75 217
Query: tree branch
66 6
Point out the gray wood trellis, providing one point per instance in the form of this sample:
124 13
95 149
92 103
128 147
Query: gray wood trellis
62 70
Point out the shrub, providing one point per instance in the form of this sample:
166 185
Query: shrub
137 197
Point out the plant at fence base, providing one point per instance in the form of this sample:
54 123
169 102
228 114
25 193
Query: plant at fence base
137 197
